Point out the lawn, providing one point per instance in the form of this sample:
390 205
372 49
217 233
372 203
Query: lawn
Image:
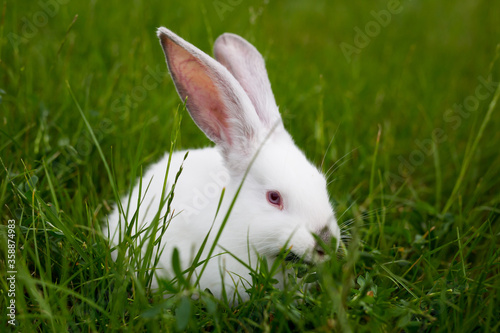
396 99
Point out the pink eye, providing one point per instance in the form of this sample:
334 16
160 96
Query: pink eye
274 198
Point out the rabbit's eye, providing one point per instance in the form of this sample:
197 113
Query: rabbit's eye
274 198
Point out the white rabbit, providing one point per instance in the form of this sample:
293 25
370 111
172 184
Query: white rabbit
283 199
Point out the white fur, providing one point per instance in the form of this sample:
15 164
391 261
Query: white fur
250 120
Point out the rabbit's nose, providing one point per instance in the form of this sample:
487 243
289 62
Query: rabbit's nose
326 236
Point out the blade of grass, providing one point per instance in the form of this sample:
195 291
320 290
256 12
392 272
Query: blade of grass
471 152
98 146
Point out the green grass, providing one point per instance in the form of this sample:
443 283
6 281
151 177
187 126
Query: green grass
423 215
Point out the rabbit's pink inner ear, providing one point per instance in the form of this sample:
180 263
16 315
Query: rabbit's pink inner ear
195 81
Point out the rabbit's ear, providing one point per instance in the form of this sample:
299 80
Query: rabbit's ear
215 100
247 65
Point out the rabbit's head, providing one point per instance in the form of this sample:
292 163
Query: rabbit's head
284 199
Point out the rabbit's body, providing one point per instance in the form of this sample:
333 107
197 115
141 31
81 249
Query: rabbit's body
283 199
196 195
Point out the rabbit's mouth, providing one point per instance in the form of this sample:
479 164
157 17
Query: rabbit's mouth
294 258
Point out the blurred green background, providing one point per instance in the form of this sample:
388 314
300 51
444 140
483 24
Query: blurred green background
401 85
